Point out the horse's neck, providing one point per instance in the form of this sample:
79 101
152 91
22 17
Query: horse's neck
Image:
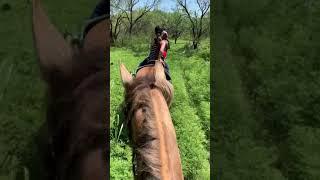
169 152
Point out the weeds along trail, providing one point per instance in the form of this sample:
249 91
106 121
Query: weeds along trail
191 135
195 74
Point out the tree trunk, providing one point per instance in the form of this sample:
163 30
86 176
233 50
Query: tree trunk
111 36
113 39
195 45
175 40
130 29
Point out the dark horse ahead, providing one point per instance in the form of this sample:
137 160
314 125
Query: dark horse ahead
76 145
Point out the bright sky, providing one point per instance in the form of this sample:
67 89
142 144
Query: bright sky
167 5
170 5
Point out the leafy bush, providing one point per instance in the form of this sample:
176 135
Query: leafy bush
269 64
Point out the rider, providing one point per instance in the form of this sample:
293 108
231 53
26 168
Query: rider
160 46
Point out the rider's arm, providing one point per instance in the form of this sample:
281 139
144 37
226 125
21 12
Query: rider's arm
163 44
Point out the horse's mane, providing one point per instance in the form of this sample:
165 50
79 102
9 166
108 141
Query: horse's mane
146 145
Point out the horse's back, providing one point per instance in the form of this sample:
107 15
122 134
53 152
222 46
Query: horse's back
144 72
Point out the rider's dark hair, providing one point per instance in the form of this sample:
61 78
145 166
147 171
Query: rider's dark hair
158 32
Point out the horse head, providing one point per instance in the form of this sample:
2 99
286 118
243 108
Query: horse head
147 98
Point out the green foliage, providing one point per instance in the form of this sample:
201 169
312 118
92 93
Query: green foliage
121 166
144 28
189 111
197 84
303 142
271 48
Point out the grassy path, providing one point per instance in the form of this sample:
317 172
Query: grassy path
189 126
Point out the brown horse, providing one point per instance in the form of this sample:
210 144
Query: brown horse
77 142
148 97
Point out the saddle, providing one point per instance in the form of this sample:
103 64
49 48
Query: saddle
149 63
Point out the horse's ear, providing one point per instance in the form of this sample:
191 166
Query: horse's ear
96 41
159 71
55 54
125 75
